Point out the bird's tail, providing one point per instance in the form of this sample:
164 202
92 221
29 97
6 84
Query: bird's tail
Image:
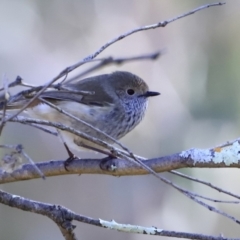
15 104
12 106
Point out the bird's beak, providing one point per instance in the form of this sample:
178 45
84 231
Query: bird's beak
149 94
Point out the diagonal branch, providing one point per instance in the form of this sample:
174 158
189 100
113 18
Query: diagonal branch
69 69
143 28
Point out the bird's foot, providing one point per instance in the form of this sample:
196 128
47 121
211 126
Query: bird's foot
108 164
69 161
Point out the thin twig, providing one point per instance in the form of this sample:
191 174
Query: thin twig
132 158
62 74
211 208
92 127
215 200
193 196
97 141
143 28
46 130
110 60
6 97
16 82
33 98
43 129
41 89
205 183
60 126
83 122
33 163
103 61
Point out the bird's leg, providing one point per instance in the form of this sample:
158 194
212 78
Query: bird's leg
107 164
71 155
95 149
104 163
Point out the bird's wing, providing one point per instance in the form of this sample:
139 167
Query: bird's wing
94 99
62 96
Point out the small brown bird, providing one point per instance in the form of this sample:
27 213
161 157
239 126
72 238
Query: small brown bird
117 105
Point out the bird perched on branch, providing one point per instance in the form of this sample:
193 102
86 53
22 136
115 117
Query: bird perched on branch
117 103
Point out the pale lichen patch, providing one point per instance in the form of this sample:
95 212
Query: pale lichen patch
197 155
228 154
130 228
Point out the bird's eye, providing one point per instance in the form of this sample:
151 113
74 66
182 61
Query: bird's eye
130 91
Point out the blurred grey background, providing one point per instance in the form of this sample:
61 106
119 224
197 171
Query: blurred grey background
199 82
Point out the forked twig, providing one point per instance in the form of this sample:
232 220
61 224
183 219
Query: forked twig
205 183
19 150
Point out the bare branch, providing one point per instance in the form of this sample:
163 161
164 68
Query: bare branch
111 60
144 28
63 217
154 231
126 168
